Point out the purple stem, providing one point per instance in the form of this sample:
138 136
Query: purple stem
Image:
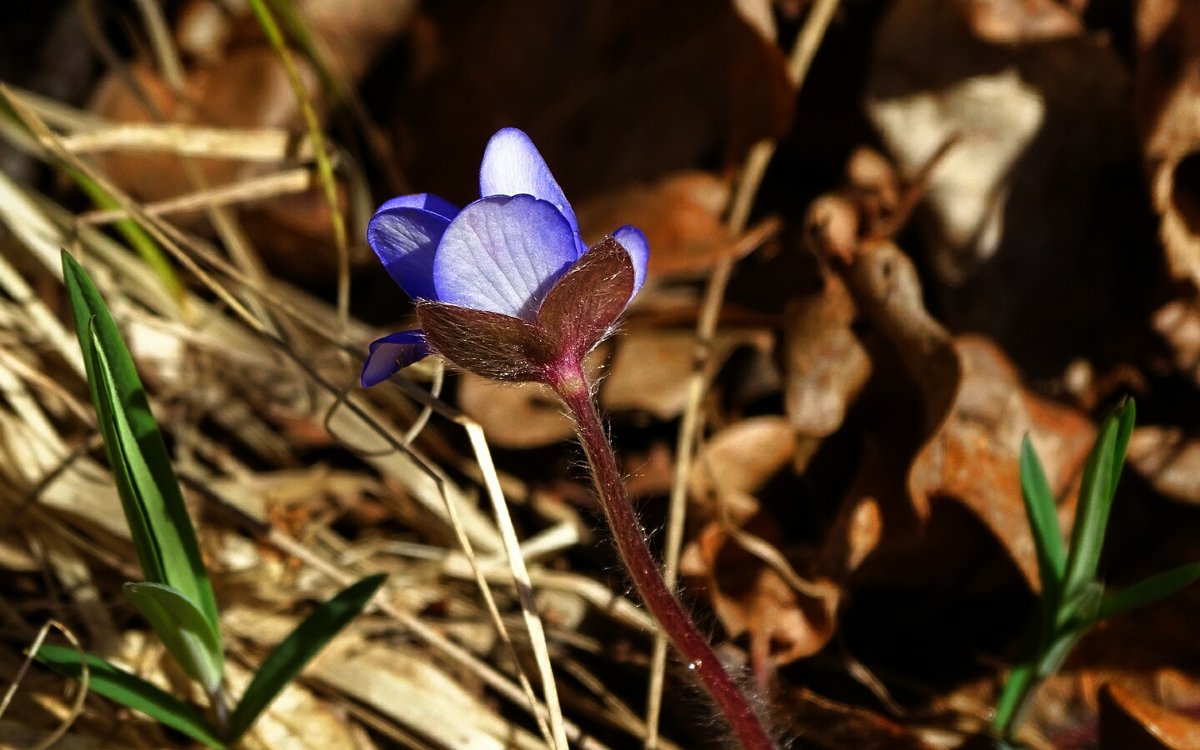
572 387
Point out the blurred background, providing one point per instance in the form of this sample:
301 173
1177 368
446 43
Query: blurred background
974 220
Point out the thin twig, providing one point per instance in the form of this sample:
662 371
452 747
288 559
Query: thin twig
690 427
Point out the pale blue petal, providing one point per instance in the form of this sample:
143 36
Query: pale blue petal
634 242
502 254
391 353
512 165
427 201
405 239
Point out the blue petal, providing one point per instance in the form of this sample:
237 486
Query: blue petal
512 165
502 254
391 353
405 238
634 242
427 201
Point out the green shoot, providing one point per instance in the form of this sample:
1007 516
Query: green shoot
1073 597
177 599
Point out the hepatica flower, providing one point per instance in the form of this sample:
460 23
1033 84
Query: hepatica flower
504 287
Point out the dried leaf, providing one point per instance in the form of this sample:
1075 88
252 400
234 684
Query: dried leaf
1021 21
579 76
822 724
1168 85
680 214
825 365
1169 460
750 597
974 457
1130 722
737 461
650 369
525 415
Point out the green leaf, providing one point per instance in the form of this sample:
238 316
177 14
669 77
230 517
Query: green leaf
1148 591
184 629
131 690
1043 522
290 656
1100 477
1126 415
158 520
1013 698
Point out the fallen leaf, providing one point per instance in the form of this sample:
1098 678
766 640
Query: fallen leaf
704 85
1130 722
737 461
680 214
1021 21
1169 459
650 369
825 365
525 415
1168 85
751 598
822 724
974 458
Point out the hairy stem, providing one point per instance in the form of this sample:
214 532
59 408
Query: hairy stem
692 647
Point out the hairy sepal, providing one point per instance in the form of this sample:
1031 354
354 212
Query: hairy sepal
578 312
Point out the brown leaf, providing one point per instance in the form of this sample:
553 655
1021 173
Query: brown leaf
885 286
750 597
737 461
249 88
1168 85
651 368
974 458
524 415
822 724
1021 21
680 214
1043 130
1169 460
611 95
1130 722
1178 323
825 365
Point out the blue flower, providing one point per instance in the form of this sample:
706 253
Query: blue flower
499 256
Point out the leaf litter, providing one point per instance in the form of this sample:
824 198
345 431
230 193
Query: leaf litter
1002 243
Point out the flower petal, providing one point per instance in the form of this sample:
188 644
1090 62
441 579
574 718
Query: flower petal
392 353
405 238
427 201
502 254
634 242
512 165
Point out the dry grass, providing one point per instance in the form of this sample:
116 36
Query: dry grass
247 374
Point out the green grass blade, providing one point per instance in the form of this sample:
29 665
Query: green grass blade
184 629
131 690
1043 522
1100 475
1021 680
1126 415
290 656
1148 591
150 497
